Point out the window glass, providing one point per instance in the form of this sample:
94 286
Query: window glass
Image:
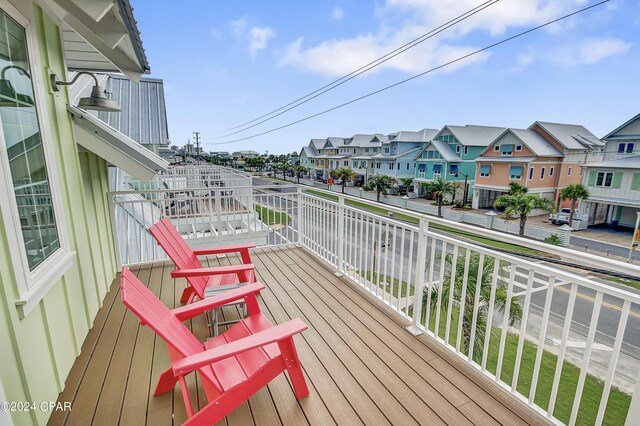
621 147
629 148
515 172
542 173
485 170
531 173
550 171
21 139
569 171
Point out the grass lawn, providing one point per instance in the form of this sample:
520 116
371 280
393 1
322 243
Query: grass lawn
623 281
618 403
272 217
385 284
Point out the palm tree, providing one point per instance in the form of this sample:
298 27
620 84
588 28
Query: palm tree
440 189
380 183
282 167
344 174
574 193
458 272
521 205
406 182
516 188
299 171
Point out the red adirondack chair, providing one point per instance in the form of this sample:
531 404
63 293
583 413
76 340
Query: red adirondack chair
188 266
232 366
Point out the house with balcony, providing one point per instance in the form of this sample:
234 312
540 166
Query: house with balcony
517 155
363 147
578 147
57 256
398 151
309 154
451 155
614 182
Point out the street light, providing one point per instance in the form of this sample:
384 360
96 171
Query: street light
466 190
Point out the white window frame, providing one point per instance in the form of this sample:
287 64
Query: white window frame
542 172
496 148
518 147
457 149
551 170
33 285
466 150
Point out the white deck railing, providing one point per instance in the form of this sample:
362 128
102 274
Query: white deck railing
555 338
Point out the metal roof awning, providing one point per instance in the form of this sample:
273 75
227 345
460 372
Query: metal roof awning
118 149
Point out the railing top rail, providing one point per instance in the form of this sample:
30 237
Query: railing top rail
210 188
601 262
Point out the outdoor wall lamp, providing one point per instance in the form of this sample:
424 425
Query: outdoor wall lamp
98 101
8 94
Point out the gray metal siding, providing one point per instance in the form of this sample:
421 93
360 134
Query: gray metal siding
143 117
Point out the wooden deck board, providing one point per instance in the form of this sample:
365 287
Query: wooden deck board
360 363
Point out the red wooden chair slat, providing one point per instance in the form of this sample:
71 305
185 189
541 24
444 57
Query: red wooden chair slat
184 257
232 366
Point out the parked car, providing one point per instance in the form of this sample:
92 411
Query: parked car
561 217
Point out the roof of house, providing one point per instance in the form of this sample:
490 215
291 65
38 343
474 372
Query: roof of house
631 162
334 141
363 140
379 137
612 135
423 135
444 149
473 135
570 136
536 143
317 143
309 151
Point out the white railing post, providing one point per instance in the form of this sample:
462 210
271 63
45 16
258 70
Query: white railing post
634 409
340 235
299 214
421 262
114 230
218 208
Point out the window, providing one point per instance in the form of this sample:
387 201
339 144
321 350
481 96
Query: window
378 165
485 170
386 150
550 171
496 148
531 173
457 149
466 150
453 169
390 166
604 179
515 172
429 154
569 171
625 147
421 169
29 204
518 147
507 150
581 170
629 148
22 141
354 151
346 162
621 147
407 166
436 169
542 170
366 150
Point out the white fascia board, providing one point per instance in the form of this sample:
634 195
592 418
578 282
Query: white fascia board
117 148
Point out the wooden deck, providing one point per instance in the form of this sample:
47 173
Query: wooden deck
362 366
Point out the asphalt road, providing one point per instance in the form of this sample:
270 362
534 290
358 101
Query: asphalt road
361 235
603 247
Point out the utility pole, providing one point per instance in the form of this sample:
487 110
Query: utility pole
197 137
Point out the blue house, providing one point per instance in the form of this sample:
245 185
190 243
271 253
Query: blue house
451 155
398 152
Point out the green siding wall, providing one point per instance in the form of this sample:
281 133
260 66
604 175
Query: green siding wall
39 350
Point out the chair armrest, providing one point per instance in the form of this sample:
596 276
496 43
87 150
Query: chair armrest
221 250
205 272
196 308
274 334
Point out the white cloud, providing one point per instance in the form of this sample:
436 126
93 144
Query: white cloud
595 50
401 21
258 38
337 13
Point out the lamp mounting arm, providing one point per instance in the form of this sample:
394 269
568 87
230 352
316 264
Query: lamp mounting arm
56 83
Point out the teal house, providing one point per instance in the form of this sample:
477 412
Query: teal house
451 155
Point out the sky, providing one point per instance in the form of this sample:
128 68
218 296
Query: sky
225 63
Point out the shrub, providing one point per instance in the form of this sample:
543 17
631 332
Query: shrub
552 239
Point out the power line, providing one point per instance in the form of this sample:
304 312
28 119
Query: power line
460 58
353 74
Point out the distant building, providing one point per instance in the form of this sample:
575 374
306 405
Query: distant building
246 154
614 182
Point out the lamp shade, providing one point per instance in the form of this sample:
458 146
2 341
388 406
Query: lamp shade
98 101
